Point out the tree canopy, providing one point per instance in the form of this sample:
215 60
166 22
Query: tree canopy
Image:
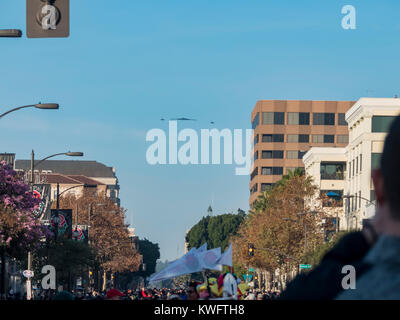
215 230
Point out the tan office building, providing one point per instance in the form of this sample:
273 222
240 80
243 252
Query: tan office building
284 130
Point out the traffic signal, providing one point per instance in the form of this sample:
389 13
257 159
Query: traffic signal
47 18
251 249
90 273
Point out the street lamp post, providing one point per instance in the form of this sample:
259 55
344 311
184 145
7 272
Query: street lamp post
32 183
10 33
44 106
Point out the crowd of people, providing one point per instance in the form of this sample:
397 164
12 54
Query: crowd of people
144 294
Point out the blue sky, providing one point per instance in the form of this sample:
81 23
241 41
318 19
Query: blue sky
128 63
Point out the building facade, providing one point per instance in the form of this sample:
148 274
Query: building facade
9 158
90 169
368 120
284 130
327 167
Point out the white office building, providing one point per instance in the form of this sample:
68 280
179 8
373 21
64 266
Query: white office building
327 167
368 120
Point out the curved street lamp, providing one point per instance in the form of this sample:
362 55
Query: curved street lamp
45 106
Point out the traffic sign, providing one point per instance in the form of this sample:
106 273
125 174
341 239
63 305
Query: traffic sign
47 18
305 266
28 273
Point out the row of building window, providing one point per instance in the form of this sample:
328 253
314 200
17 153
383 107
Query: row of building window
264 187
299 118
302 138
269 171
279 154
355 166
354 202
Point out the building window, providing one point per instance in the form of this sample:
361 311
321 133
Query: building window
298 118
277 171
266 171
349 170
381 123
359 198
298 138
332 171
278 138
360 163
268 118
272 154
353 167
327 119
279 118
304 118
356 165
266 155
375 160
293 138
329 138
301 154
273 118
265 186
318 138
342 139
272 138
267 138
342 119
254 188
293 118
254 173
292 154
304 138
255 139
355 201
256 121
255 155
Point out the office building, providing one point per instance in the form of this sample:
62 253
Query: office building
284 130
327 168
368 120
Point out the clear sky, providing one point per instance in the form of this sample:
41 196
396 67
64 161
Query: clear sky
128 63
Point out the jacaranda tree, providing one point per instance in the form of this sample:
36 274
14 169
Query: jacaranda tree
20 230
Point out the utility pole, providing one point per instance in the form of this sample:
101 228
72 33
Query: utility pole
28 280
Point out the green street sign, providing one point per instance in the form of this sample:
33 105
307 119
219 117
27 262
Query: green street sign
305 266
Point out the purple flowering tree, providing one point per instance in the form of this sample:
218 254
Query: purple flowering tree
20 231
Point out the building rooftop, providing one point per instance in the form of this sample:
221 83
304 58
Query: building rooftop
92 169
52 178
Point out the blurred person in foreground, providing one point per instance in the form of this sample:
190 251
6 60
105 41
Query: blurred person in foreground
373 252
382 280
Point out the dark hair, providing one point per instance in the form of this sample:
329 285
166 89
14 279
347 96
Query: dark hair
390 167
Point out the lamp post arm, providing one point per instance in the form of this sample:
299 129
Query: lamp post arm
53 155
15 109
